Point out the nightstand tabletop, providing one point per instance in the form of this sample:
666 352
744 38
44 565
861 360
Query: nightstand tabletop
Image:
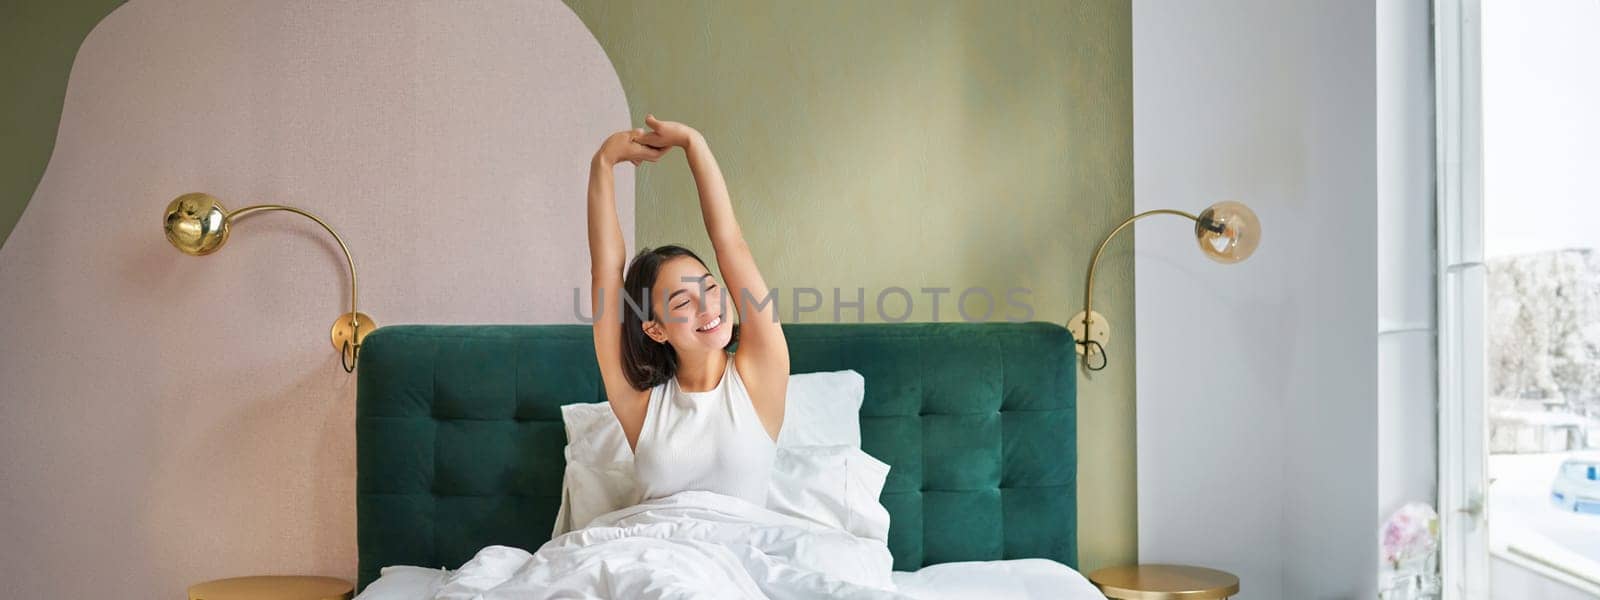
273 587
1164 582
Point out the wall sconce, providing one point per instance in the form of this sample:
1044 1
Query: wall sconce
1228 232
198 225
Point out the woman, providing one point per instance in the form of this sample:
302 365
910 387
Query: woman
695 417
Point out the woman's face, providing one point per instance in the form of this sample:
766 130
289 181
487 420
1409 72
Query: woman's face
689 306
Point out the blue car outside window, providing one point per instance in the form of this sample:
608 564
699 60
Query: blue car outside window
1592 473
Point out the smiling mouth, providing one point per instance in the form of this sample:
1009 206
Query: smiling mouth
715 323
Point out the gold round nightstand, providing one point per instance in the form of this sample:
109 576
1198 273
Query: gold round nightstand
273 587
1164 582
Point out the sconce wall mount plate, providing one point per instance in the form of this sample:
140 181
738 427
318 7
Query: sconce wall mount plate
1099 332
350 329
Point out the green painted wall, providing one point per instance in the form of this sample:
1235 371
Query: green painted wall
38 39
911 144
874 145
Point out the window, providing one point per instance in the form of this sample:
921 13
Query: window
1541 314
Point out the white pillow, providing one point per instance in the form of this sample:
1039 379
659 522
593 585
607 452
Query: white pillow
821 437
823 409
836 486
590 490
593 434
599 474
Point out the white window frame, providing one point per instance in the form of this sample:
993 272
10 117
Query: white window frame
1463 456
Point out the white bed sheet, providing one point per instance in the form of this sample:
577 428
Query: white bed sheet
1024 579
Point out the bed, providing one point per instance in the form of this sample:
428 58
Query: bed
459 441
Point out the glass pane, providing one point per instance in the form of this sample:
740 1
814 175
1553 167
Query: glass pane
1542 225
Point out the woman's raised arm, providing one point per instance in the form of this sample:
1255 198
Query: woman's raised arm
607 257
763 356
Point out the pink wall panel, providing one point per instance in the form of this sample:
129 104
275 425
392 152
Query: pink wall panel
166 419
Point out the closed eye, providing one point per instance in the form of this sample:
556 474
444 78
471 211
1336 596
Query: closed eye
686 302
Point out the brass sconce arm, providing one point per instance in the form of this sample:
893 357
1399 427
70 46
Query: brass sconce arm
246 211
1088 285
198 224
1227 232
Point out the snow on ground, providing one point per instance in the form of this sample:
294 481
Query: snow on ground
1521 513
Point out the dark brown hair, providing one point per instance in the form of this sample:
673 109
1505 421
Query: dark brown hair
646 362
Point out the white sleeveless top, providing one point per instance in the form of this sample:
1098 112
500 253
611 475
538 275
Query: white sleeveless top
709 441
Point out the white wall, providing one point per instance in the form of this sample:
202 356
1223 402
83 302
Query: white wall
1407 327
1257 382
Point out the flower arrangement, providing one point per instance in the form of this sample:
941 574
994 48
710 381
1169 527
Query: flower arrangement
1411 532
1409 543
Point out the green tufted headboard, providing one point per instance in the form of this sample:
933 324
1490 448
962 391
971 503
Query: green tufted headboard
459 436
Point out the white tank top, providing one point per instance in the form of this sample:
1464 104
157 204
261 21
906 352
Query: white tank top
708 441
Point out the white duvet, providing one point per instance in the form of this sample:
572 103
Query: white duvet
688 545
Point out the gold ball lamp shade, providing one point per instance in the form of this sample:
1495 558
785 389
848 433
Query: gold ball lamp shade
196 224
1228 232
